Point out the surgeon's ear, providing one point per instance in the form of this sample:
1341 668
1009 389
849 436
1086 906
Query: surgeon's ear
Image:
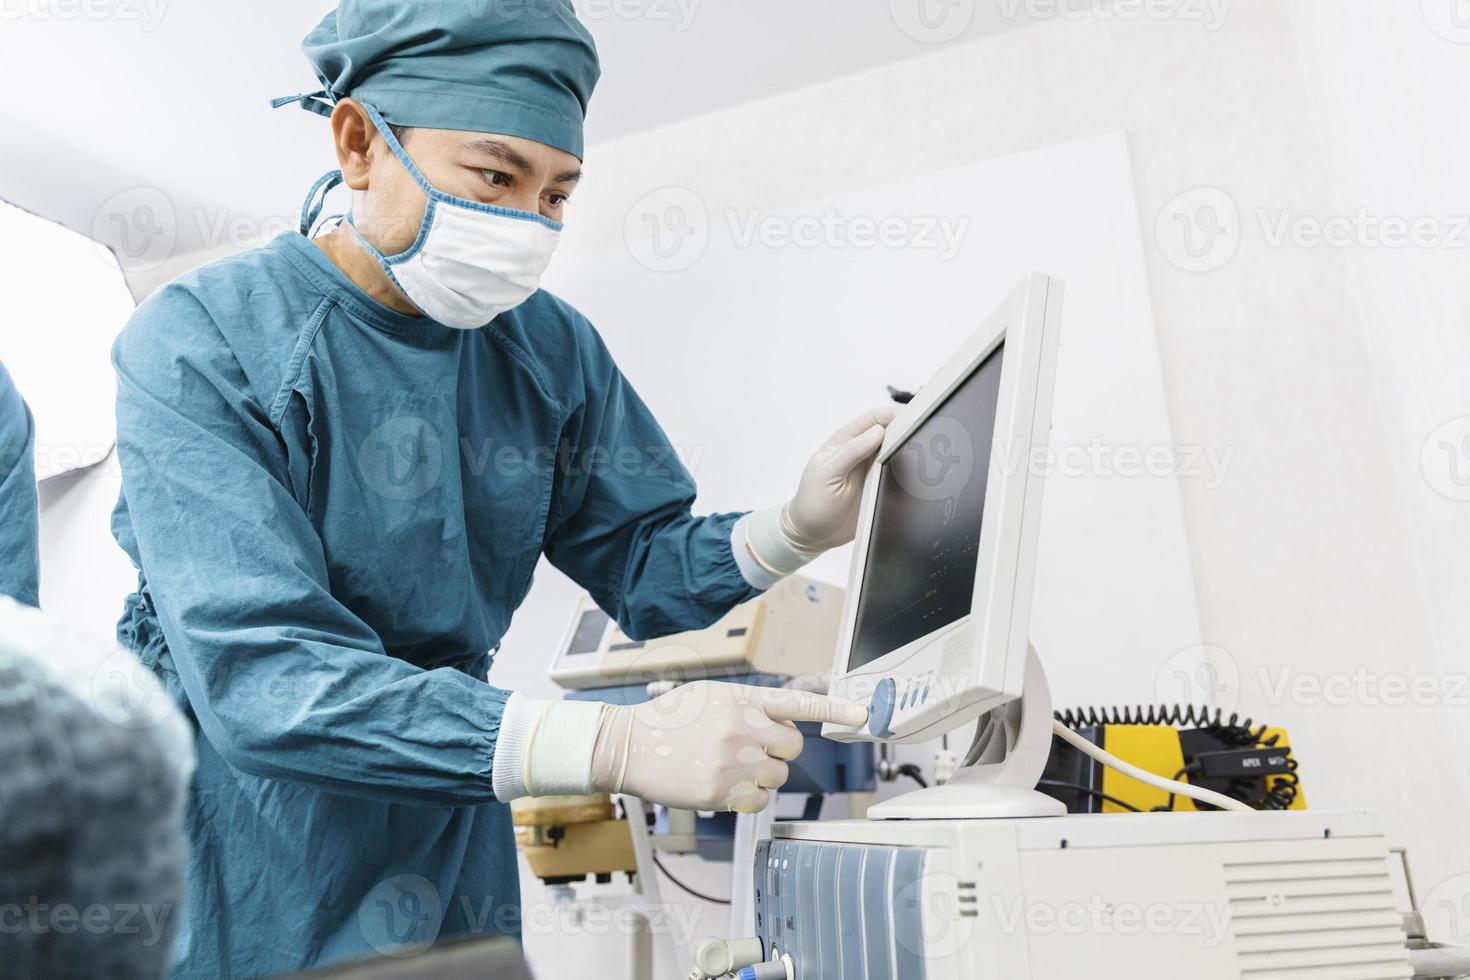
353 134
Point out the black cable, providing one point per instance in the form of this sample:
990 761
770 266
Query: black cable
1180 716
1095 794
1169 807
685 888
1282 792
1278 793
912 771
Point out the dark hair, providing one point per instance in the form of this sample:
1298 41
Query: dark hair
400 133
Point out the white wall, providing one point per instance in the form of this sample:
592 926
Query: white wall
800 304
1325 558
1325 371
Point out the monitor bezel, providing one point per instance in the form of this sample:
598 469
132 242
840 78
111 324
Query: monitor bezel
977 661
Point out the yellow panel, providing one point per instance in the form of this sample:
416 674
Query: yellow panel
1154 748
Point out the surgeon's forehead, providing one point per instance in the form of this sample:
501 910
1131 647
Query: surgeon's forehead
521 155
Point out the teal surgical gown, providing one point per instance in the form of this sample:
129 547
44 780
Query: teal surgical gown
335 509
19 531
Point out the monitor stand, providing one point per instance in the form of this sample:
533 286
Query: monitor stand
999 775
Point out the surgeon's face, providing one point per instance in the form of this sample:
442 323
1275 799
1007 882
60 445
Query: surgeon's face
507 171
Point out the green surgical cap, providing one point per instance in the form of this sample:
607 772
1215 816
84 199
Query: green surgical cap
519 67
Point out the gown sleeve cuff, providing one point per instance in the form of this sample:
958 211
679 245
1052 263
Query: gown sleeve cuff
545 748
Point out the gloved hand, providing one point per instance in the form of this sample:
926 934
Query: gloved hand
824 512
709 745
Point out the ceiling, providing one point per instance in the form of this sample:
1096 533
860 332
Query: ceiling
145 123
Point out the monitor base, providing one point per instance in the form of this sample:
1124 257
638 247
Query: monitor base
1001 769
968 801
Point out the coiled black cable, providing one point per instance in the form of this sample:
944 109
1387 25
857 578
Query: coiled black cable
1181 716
1281 791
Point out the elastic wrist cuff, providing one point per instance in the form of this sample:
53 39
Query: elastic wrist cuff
755 576
508 770
559 758
769 545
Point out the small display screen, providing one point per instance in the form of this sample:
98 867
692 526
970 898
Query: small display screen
588 635
925 535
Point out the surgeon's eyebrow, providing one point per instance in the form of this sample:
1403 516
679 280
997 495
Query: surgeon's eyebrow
508 156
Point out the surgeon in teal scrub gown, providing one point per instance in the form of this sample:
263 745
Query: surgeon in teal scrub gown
19 531
342 458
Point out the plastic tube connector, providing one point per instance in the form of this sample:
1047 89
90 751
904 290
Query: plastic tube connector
719 956
770 970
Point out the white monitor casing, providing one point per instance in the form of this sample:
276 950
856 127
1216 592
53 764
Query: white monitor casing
977 663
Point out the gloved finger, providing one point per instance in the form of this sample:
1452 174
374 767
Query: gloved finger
787 705
856 451
770 774
748 798
880 415
783 741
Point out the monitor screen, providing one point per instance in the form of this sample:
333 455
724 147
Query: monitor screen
924 540
587 638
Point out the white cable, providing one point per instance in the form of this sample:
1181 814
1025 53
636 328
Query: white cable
1158 782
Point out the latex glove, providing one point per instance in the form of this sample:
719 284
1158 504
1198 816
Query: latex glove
824 512
709 745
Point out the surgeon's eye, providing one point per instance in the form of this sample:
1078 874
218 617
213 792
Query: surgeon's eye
556 200
496 178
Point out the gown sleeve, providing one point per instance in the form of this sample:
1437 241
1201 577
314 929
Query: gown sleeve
19 509
285 681
621 522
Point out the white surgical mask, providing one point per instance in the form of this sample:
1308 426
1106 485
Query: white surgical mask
470 261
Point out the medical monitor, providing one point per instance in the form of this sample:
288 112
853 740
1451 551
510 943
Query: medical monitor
936 618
